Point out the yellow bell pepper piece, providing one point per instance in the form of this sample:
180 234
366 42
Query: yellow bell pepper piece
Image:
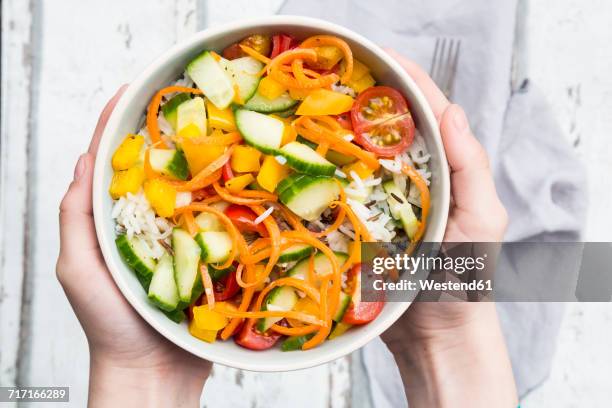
207 319
126 181
325 102
304 305
271 173
362 170
259 270
190 131
269 88
128 154
199 155
208 336
340 329
328 56
245 159
161 196
239 183
299 94
362 84
359 70
220 118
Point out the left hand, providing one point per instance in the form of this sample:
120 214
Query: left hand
129 359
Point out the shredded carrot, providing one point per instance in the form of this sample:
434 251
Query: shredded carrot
312 278
227 196
325 316
421 185
299 284
190 223
319 40
322 148
274 233
277 73
294 331
225 140
339 218
207 175
152 125
253 53
247 295
208 286
309 72
257 194
304 317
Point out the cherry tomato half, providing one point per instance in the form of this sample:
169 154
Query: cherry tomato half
227 287
250 338
281 43
382 122
365 312
244 219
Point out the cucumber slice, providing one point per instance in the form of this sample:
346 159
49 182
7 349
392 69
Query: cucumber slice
263 132
169 163
295 253
339 329
216 246
209 222
281 298
133 252
343 304
192 112
309 196
262 104
322 265
186 259
212 79
400 208
244 74
169 108
288 182
163 291
339 159
218 274
177 316
295 342
305 160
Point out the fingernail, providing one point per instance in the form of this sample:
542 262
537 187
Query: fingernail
459 119
79 169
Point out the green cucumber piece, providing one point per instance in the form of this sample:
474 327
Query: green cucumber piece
282 298
309 196
262 104
162 290
343 304
186 260
261 131
212 79
305 160
169 109
287 113
135 255
295 342
339 159
209 222
400 208
322 265
190 112
244 74
295 253
177 316
216 245
288 182
339 329
169 163
218 274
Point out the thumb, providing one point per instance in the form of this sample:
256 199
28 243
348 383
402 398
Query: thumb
472 184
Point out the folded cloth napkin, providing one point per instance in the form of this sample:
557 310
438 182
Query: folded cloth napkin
538 177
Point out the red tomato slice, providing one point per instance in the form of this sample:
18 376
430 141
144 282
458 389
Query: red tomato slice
382 122
226 171
244 219
364 312
250 338
281 43
227 287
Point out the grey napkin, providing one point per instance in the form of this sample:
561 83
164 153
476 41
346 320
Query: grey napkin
538 178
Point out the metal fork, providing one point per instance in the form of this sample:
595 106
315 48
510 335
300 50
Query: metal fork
444 64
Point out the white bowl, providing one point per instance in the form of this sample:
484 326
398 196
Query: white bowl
126 118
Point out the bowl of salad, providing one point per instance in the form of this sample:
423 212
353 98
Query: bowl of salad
239 175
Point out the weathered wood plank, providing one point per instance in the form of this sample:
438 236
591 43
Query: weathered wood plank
14 144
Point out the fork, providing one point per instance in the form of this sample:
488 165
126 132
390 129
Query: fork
444 64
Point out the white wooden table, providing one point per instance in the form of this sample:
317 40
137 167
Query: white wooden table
61 61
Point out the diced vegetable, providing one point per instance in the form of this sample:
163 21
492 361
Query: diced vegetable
339 159
362 170
212 79
260 103
281 298
169 109
325 102
215 245
271 173
162 290
207 319
177 315
305 160
343 304
239 183
209 222
328 56
126 181
362 84
169 162
186 259
322 265
220 118
161 196
190 115
270 89
295 253
208 336
308 196
400 208
359 69
200 155
299 94
295 342
339 329
259 130
129 153
245 159
133 252
244 73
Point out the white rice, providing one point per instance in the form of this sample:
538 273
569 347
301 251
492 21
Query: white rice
343 89
263 216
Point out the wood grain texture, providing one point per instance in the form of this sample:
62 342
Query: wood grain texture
14 144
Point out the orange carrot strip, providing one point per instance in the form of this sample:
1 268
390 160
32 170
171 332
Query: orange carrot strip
152 125
227 196
322 148
304 317
276 73
190 224
319 40
225 140
201 179
421 185
253 53
247 296
325 316
257 194
339 218
274 234
208 286
294 331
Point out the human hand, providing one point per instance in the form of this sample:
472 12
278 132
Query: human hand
436 340
129 361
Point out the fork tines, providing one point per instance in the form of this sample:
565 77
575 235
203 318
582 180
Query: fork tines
444 63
